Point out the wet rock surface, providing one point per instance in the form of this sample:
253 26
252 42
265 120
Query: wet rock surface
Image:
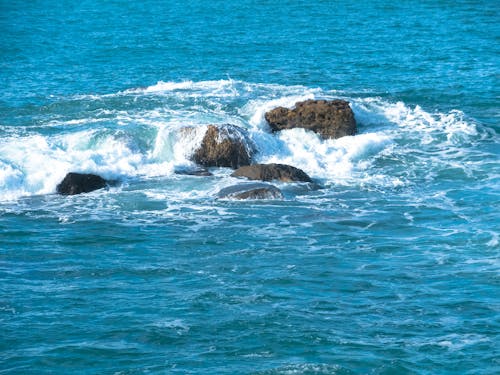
328 118
250 191
270 172
224 146
201 172
77 183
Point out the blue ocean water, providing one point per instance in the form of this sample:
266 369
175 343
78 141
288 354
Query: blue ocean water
391 267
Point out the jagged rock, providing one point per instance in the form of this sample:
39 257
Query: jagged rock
270 172
77 183
224 146
329 118
251 191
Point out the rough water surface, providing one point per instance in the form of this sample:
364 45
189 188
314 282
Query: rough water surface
388 264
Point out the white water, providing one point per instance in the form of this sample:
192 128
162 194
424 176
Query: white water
122 143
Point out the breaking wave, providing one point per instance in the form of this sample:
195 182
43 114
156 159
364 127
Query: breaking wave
137 133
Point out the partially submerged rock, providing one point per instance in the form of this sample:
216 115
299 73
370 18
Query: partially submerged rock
224 146
329 118
250 191
270 172
201 172
77 183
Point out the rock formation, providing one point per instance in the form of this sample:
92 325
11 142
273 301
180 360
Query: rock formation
224 146
329 118
270 172
251 191
77 183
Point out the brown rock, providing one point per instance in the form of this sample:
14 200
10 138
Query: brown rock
269 172
329 118
224 146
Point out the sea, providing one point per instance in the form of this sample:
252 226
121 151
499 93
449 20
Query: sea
388 264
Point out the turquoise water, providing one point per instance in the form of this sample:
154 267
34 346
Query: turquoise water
391 267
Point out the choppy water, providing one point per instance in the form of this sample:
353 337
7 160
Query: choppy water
391 267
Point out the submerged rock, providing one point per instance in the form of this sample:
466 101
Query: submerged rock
251 191
224 146
194 172
77 183
329 118
270 172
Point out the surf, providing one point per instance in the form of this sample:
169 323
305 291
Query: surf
138 133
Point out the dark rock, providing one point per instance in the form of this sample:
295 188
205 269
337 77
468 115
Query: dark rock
269 172
77 183
251 191
194 172
224 146
329 118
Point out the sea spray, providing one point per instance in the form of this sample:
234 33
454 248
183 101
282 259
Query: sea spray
122 144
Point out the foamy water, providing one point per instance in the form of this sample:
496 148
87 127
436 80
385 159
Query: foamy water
137 143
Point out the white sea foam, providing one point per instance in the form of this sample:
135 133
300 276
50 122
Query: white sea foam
454 342
494 240
220 88
332 160
429 127
177 325
136 141
177 145
305 368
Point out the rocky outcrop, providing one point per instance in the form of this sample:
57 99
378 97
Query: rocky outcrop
329 118
250 191
270 172
77 183
224 146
